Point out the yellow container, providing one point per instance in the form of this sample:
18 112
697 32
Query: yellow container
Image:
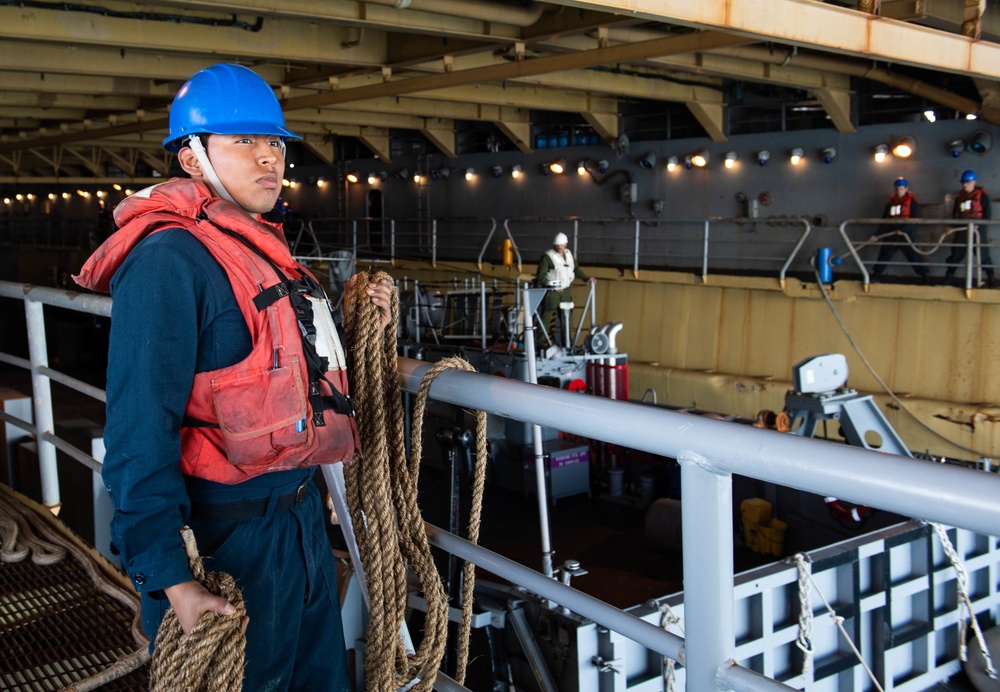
755 511
772 538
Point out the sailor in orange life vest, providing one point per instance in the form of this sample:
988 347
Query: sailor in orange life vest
556 270
902 205
971 202
226 387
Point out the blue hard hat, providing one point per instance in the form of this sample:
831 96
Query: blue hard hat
969 175
225 99
901 182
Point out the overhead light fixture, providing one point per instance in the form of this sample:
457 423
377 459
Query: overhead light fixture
293 183
970 116
700 158
930 115
602 166
52 196
352 177
828 154
320 182
796 156
730 159
496 171
763 156
31 196
956 147
648 161
904 147
581 168
980 142
117 187
515 171
672 163
372 178
417 177
881 151
19 197
470 173
66 195
403 173
558 166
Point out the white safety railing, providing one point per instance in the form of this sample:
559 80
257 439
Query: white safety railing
709 452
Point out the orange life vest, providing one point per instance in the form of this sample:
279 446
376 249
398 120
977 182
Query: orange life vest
969 205
899 207
279 408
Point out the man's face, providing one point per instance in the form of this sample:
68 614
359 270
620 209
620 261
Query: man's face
900 190
250 167
969 185
561 249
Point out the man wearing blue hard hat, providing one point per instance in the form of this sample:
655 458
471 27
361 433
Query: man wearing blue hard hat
898 235
226 387
971 202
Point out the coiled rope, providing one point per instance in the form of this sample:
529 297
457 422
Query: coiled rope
381 487
210 657
24 533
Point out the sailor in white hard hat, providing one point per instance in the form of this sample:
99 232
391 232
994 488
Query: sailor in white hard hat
556 270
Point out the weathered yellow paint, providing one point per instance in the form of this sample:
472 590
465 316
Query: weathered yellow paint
729 346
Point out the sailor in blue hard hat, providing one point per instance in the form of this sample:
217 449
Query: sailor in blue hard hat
971 202
207 390
897 235
246 135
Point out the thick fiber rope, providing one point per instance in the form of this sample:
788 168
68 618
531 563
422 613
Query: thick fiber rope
23 532
210 657
381 490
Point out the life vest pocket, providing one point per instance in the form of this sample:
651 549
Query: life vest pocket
259 412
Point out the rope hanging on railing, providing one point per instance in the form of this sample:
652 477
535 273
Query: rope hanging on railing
669 620
381 487
24 533
962 581
806 582
877 239
210 657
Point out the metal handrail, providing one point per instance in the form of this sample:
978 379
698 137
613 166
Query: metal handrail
972 253
709 452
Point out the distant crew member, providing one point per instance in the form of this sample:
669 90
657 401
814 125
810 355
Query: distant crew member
556 271
902 205
971 202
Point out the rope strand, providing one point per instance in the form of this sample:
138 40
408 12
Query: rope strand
210 657
382 499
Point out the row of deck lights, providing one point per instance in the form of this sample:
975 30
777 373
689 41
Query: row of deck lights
53 196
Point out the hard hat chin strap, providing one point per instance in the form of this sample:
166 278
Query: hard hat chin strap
206 166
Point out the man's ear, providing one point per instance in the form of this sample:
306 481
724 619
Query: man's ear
189 163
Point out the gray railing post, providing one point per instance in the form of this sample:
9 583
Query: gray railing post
635 251
42 389
434 243
707 536
704 252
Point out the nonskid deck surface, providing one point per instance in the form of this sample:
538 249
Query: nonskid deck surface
60 623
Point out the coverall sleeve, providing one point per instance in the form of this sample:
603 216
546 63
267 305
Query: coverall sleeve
544 267
159 301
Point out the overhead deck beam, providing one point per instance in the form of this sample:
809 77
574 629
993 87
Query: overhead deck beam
278 39
822 26
525 68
